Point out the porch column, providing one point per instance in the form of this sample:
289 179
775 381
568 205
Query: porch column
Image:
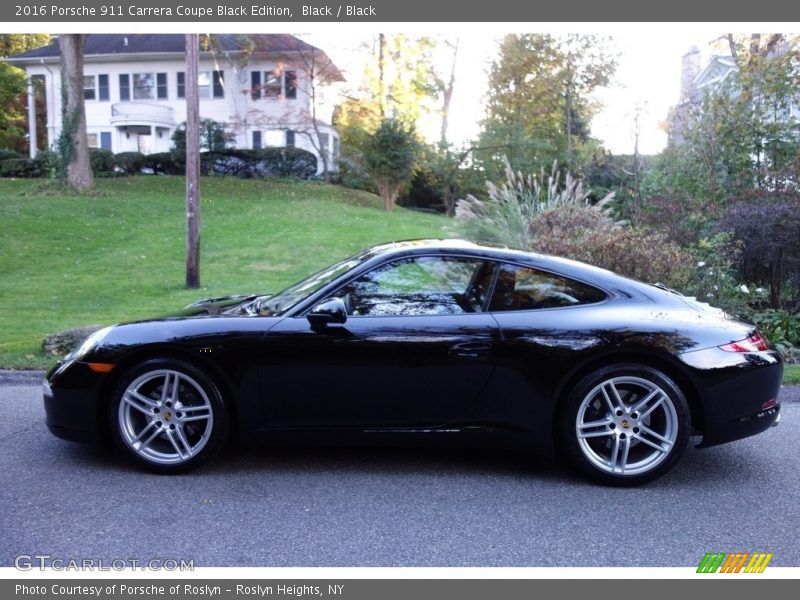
31 119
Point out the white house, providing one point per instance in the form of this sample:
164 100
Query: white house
269 90
697 79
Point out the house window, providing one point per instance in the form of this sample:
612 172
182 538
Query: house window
204 84
218 81
276 84
272 85
161 86
210 84
103 88
256 140
290 84
89 88
255 85
335 148
95 87
289 138
125 87
105 140
91 139
144 86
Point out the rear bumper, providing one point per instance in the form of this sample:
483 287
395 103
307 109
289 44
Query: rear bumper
743 427
734 388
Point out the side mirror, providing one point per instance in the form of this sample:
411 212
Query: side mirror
331 311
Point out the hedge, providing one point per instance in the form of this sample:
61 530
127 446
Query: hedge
263 163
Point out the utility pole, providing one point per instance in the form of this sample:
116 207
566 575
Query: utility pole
192 163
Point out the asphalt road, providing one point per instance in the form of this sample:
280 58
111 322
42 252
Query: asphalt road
390 507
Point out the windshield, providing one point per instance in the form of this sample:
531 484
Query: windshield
285 300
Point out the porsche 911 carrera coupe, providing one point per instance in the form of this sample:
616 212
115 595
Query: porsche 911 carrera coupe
429 340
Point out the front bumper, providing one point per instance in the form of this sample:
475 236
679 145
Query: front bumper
70 393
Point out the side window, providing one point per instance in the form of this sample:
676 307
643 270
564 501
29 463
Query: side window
427 285
523 288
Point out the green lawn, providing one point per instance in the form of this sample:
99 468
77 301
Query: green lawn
791 374
68 261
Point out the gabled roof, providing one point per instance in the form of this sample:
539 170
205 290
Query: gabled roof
105 47
716 71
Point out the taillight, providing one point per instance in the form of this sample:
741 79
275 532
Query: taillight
754 343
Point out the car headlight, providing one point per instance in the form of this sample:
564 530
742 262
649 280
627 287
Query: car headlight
89 343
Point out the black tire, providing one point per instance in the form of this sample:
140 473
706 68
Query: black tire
623 440
168 416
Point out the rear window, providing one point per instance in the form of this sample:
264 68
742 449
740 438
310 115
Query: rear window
523 288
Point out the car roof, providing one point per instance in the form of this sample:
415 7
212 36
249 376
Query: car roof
464 247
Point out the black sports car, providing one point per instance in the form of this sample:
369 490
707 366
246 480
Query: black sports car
429 340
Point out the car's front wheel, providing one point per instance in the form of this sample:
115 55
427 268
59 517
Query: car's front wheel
624 425
168 416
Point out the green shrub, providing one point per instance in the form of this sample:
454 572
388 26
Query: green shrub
584 233
102 161
769 231
7 154
163 163
506 216
214 137
353 174
267 162
715 277
288 162
390 156
780 326
130 163
19 167
683 220
47 162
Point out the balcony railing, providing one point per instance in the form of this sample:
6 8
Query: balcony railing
141 113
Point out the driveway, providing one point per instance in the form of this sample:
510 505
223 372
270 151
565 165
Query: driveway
389 507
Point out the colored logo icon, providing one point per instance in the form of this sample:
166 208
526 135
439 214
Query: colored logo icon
734 562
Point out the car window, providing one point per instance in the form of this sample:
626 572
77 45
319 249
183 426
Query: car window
426 285
523 288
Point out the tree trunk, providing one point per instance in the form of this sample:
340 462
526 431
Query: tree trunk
569 129
447 97
75 151
388 193
192 163
381 75
637 192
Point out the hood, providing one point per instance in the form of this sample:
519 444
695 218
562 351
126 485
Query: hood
215 306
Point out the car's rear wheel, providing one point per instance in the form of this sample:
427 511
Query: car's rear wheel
624 425
168 416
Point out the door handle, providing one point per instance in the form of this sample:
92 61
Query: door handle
475 350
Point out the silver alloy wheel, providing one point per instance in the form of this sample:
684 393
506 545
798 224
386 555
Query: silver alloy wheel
165 417
626 425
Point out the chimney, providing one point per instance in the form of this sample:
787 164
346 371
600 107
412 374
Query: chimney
690 68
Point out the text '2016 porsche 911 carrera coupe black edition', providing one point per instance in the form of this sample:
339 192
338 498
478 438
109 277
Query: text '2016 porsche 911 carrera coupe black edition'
429 340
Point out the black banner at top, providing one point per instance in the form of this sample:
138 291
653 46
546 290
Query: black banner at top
355 11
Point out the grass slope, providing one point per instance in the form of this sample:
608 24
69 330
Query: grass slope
67 261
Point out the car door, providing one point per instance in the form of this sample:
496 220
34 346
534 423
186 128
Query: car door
416 350
548 326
